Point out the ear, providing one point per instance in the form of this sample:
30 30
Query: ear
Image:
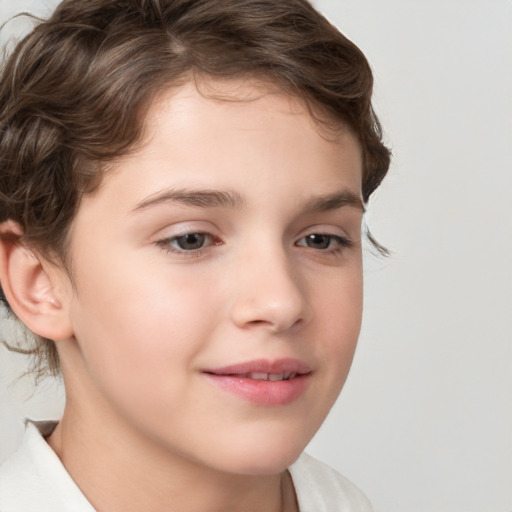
37 291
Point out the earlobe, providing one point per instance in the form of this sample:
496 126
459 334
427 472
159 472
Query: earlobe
35 294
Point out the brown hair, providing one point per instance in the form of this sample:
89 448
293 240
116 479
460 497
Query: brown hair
74 92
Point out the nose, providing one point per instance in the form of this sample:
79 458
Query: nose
269 294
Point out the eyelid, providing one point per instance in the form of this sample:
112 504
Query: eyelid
325 229
185 227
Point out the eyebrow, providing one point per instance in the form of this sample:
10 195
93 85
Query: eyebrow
200 198
334 201
230 199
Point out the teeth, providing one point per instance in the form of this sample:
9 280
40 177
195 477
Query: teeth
258 376
271 376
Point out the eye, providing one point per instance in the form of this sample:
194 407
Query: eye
324 242
188 242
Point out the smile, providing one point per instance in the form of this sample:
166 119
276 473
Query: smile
263 382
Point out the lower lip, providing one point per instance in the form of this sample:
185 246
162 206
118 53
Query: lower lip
262 392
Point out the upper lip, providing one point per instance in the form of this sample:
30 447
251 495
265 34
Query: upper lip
288 365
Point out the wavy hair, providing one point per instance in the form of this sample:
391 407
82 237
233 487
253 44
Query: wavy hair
74 92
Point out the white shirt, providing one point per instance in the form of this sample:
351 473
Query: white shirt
34 480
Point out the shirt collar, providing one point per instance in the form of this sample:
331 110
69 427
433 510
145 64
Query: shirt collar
35 479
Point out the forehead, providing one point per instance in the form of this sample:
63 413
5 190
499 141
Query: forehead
247 100
223 133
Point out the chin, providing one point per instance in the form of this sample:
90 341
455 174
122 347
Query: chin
263 456
260 467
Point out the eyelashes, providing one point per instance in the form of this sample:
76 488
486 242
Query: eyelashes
323 242
192 244
197 243
190 241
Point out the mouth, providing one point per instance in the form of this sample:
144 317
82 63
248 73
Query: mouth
264 369
274 377
263 382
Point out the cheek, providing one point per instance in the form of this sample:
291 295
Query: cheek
340 300
136 327
339 315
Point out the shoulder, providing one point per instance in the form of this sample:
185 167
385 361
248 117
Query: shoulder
320 488
34 479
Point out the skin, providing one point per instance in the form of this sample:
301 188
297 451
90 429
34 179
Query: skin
145 317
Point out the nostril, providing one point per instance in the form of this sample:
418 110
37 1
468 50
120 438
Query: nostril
276 325
257 323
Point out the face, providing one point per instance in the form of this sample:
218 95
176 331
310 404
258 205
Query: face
218 281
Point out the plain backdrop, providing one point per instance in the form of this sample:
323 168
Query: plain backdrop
424 423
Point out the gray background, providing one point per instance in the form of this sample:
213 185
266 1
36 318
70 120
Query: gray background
425 421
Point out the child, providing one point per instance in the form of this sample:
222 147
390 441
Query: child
182 184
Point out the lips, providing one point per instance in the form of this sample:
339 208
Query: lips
263 382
